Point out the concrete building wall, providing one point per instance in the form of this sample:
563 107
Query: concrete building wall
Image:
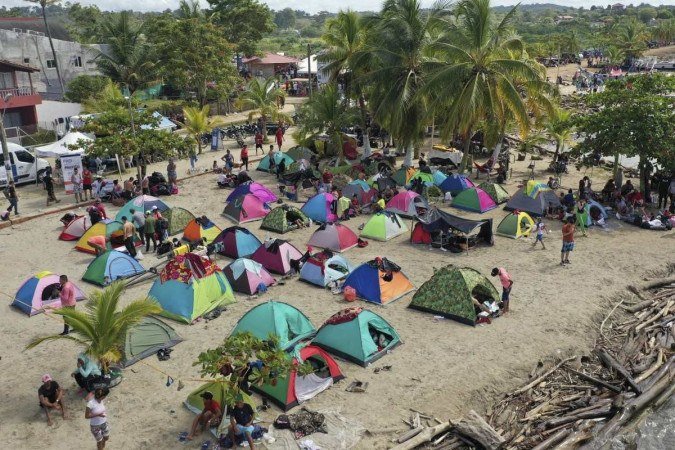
52 115
73 58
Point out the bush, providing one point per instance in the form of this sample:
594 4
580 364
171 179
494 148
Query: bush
85 87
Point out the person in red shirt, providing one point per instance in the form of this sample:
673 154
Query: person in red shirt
568 241
507 284
259 142
98 204
244 157
280 135
87 179
67 296
210 415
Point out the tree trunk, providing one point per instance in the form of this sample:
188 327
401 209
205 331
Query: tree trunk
340 150
367 151
51 44
264 129
199 143
467 152
616 166
364 119
407 161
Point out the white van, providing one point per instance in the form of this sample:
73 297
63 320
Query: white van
26 168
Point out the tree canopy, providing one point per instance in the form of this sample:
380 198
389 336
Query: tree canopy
244 22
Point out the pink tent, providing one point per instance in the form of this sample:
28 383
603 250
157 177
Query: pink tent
276 256
246 208
75 228
246 275
257 189
474 199
406 203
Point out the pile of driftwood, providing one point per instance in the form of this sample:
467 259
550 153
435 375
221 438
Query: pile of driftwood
586 401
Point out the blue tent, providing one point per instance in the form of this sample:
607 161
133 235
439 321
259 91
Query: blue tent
110 266
439 177
318 208
379 282
321 271
264 165
237 242
593 209
455 184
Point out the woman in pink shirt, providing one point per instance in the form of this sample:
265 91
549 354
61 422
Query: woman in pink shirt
67 296
507 283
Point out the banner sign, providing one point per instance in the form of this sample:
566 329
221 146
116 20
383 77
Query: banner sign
68 163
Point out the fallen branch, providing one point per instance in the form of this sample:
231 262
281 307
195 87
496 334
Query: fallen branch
553 440
609 361
608 316
424 435
409 435
477 429
541 378
597 381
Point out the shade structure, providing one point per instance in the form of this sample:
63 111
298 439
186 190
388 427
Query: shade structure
515 225
335 237
264 164
364 193
407 204
62 146
113 232
437 220
402 175
141 204
299 152
146 338
75 228
247 276
253 188
384 226
276 256
456 183
284 321
41 291
533 206
237 242
195 403
178 218
474 199
283 219
379 281
496 192
357 335
449 293
199 228
110 266
324 269
320 208
294 388
247 208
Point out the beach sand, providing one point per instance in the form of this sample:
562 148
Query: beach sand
460 367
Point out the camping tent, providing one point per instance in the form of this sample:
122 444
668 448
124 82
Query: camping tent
335 237
402 175
141 204
533 188
515 225
364 193
533 206
280 319
264 164
594 209
246 275
40 291
299 152
384 226
178 219
474 199
190 286
379 281
407 204
357 335
439 177
426 177
318 208
62 146
145 338
237 242
195 403
323 269
436 220
295 389
282 219
455 184
110 266
75 228
449 293
113 232
276 256
245 209
495 191
199 228
253 188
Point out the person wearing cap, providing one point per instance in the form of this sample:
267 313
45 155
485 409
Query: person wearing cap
156 213
210 415
99 205
241 421
149 231
51 397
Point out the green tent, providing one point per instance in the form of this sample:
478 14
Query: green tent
495 191
402 175
361 338
299 152
426 178
145 338
276 318
282 219
515 225
195 403
449 291
178 219
110 266
384 226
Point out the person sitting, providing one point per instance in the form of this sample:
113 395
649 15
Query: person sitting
388 194
215 167
568 199
117 190
224 181
210 415
51 397
241 421
94 215
378 203
128 189
608 190
355 204
87 372
627 188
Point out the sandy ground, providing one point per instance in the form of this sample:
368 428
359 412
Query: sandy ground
460 367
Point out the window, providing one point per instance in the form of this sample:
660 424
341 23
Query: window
51 64
24 156
77 61
26 60
6 80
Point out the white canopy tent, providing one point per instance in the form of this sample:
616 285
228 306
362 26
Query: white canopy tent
61 147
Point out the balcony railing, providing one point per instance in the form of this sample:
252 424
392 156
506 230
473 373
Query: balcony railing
18 91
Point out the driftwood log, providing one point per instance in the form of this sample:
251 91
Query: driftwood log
609 361
424 435
477 429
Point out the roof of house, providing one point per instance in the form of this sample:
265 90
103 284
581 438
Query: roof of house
17 66
270 58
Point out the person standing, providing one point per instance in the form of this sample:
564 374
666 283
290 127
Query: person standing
193 159
67 297
76 180
171 172
540 228
138 219
87 180
507 284
98 419
259 141
149 231
13 198
244 156
280 135
568 241
48 180
50 395
129 232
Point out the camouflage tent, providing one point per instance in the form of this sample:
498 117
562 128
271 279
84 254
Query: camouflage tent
449 293
178 219
282 219
495 191
299 152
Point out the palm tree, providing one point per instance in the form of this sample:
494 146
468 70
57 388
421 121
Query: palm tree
264 99
198 122
43 4
614 55
345 38
631 37
560 128
483 65
189 10
110 98
399 48
664 31
325 112
102 328
127 60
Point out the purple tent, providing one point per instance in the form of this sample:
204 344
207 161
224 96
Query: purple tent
256 189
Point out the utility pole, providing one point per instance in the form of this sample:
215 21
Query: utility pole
141 161
309 67
3 139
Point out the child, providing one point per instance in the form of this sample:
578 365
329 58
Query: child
540 227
